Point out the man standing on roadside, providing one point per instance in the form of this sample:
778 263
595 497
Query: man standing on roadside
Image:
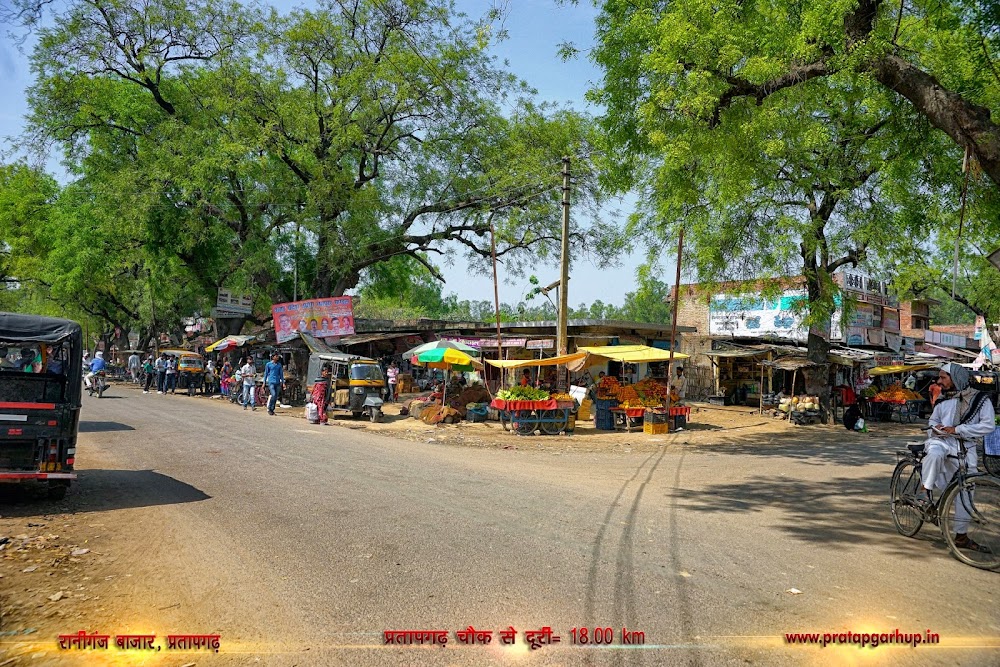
161 373
274 378
249 374
171 384
133 367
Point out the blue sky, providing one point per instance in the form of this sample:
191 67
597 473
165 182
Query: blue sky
534 28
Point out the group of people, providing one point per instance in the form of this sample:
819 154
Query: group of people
31 360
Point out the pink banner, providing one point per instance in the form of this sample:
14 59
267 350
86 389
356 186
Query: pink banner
323 318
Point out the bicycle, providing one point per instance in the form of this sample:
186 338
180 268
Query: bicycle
978 493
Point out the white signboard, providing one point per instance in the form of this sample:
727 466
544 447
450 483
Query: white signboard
752 316
239 304
545 344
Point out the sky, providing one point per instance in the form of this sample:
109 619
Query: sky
535 28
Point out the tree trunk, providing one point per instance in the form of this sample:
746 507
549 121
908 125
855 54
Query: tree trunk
817 349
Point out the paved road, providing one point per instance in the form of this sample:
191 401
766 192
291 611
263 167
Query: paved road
301 544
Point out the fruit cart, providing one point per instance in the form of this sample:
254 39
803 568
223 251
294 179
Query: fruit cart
549 416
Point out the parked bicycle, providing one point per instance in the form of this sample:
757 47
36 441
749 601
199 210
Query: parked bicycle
972 495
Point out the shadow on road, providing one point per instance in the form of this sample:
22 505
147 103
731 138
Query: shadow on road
837 513
100 491
103 427
819 446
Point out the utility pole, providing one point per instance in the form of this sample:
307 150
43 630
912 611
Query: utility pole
562 342
496 304
672 372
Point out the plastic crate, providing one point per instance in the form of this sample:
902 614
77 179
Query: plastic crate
680 421
651 417
653 428
605 421
605 404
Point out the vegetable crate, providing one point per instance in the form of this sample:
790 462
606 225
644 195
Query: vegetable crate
655 423
605 420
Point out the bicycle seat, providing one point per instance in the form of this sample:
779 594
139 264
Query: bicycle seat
917 449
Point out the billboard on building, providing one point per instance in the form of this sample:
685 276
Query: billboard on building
324 318
754 316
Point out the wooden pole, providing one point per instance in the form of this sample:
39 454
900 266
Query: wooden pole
496 300
562 345
673 322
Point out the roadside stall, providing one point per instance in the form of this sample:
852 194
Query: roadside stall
629 402
895 400
446 357
525 410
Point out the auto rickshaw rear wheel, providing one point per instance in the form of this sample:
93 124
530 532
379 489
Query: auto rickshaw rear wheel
376 416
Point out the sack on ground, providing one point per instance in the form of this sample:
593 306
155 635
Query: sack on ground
312 413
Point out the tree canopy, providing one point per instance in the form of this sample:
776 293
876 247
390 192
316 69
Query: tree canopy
296 154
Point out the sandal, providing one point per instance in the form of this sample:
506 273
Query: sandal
966 542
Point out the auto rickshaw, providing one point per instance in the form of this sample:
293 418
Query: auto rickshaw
190 370
40 399
356 383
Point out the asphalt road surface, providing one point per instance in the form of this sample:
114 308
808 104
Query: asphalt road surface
302 544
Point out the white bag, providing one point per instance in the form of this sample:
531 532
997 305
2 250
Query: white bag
312 413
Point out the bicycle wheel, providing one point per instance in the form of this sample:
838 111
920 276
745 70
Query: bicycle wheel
902 492
979 498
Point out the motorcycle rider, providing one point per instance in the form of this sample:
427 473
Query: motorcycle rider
96 366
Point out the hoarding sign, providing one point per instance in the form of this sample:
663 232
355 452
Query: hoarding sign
239 304
324 318
545 344
753 316
890 319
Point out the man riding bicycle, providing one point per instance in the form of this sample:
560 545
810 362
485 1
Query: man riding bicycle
961 412
96 366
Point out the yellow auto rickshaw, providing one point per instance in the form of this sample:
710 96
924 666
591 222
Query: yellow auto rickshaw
190 369
357 384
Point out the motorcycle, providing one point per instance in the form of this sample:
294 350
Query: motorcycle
98 384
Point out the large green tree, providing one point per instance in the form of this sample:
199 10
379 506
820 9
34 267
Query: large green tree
715 62
257 149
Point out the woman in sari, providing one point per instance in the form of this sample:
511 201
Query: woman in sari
321 393
224 375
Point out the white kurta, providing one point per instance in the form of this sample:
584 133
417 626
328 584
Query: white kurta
938 469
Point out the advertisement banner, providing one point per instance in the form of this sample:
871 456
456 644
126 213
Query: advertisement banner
856 336
893 341
876 337
863 316
324 318
544 344
228 303
890 319
753 316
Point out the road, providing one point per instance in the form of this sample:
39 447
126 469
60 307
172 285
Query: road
301 544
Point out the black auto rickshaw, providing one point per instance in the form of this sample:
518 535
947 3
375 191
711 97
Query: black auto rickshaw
41 375
356 383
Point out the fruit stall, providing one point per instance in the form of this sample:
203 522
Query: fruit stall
624 406
525 410
895 401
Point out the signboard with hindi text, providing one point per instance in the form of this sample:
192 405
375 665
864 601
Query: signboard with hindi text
323 318
228 304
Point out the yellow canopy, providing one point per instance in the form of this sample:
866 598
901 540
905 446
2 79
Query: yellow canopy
592 356
899 368
632 354
525 363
